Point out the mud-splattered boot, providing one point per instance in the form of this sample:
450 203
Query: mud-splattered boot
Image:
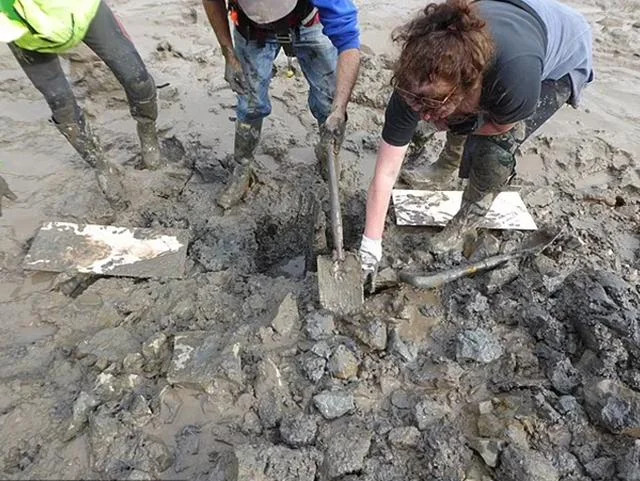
245 143
492 168
108 175
145 114
439 173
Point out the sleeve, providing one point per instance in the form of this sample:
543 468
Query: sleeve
515 90
340 21
400 122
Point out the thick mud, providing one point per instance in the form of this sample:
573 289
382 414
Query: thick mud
530 372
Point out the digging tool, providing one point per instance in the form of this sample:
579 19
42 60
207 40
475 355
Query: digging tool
532 246
340 276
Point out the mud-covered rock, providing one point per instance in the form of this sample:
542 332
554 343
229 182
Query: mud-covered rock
563 376
446 455
313 366
110 345
319 325
347 445
443 375
518 464
298 430
82 406
343 364
613 406
286 464
429 411
287 317
628 466
155 347
272 393
333 404
404 437
406 351
195 359
478 345
601 469
488 449
498 278
372 334
187 445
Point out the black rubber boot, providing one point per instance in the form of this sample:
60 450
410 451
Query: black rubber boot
438 174
108 175
492 168
245 143
145 114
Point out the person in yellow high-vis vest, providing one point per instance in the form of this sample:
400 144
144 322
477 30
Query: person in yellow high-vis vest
38 30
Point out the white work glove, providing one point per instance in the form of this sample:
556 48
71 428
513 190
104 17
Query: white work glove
370 256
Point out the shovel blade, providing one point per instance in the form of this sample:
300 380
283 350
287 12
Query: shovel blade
340 284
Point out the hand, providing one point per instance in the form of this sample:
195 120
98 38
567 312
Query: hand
370 256
332 131
5 191
234 75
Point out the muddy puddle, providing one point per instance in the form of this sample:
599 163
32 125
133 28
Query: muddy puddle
529 372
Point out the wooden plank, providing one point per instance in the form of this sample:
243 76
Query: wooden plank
108 250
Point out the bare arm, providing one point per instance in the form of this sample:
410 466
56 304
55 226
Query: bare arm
348 67
388 166
217 15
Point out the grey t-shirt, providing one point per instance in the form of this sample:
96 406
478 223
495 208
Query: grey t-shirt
511 86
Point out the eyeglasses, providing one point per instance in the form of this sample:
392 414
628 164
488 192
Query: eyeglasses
424 103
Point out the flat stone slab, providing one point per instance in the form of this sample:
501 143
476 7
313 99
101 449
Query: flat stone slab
108 250
436 208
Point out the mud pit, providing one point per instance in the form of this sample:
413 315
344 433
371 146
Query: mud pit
232 373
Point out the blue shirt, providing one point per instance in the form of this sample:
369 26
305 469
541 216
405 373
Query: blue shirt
340 21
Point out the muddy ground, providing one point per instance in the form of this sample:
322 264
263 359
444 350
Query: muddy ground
531 372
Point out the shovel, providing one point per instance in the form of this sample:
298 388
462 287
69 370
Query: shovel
534 245
339 276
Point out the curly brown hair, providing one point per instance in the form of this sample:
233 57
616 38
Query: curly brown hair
446 41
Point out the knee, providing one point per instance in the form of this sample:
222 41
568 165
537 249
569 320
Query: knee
139 85
489 162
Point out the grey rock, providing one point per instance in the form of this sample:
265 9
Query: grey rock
628 466
321 349
195 360
404 437
140 412
319 325
613 406
110 345
401 399
478 345
372 334
445 375
333 404
405 350
343 364
498 278
133 362
272 393
244 463
290 465
488 449
251 424
155 347
313 366
601 469
445 453
108 387
298 430
427 412
568 405
287 317
564 377
187 445
347 447
137 475
518 464
82 406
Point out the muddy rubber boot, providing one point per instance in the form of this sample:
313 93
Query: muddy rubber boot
245 143
492 169
438 174
145 114
108 175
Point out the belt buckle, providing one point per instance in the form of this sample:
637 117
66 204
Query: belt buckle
284 38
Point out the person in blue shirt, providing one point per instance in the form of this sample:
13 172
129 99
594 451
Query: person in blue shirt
325 37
